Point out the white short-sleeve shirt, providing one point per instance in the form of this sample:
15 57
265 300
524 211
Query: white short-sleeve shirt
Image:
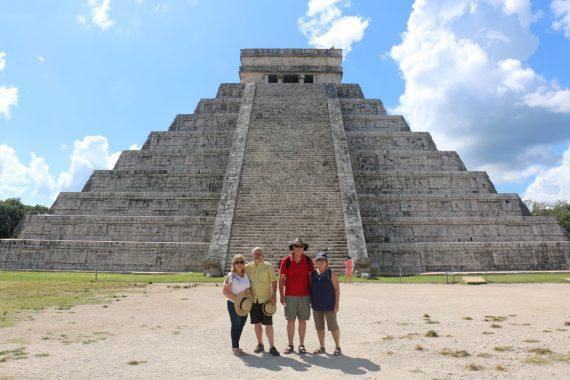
239 284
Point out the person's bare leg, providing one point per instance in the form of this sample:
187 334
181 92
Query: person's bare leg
335 335
291 331
321 335
302 331
270 337
258 333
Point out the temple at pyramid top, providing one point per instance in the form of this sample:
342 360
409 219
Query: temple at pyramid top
291 66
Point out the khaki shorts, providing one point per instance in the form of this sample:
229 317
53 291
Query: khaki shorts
319 318
297 307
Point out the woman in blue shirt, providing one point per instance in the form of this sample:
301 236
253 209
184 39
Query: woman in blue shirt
325 297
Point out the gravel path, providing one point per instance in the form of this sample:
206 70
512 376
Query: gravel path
166 331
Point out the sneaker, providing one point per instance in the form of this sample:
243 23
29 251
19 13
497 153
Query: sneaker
259 349
273 351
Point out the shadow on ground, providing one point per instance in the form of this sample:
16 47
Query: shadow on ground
346 364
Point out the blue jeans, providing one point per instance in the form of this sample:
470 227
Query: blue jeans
237 324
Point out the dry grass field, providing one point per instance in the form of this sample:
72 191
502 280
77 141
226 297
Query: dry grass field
175 330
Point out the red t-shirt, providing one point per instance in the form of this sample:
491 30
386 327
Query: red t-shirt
297 276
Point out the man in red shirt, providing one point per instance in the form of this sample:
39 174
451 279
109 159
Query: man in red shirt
294 291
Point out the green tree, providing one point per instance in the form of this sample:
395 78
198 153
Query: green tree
560 209
11 213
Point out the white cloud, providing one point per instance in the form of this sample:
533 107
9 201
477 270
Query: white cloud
35 184
41 59
467 81
552 185
8 98
82 19
325 26
555 100
8 95
99 14
561 10
90 153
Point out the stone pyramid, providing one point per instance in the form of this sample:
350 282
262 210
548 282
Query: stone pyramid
289 151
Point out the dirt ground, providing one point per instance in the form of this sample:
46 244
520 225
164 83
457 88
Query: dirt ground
166 331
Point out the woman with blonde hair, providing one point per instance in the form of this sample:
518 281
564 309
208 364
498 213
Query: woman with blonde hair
235 283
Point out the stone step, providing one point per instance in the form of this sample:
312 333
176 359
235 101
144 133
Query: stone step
136 203
191 140
379 141
371 123
462 229
230 90
415 205
419 182
349 90
210 159
218 106
202 122
362 107
148 180
118 228
113 256
412 258
416 160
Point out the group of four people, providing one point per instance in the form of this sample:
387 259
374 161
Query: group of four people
302 286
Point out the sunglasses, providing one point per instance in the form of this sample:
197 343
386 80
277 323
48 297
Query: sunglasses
321 260
298 246
239 262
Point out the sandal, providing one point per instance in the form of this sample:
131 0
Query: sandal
337 351
238 352
289 349
318 351
302 349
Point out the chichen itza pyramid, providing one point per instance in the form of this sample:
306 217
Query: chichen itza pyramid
289 151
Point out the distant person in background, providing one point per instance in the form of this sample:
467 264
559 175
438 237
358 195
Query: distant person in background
294 292
236 290
325 301
348 270
263 289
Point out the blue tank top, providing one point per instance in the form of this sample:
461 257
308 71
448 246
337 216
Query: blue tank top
322 291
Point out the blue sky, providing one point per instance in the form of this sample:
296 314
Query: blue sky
82 80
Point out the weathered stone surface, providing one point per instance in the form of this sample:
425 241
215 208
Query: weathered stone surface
413 205
372 123
373 141
136 203
423 182
174 140
218 248
415 160
210 122
351 211
410 258
118 228
362 107
181 160
462 229
101 255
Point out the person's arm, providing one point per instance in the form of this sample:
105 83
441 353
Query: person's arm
227 290
282 288
273 292
336 291
273 285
